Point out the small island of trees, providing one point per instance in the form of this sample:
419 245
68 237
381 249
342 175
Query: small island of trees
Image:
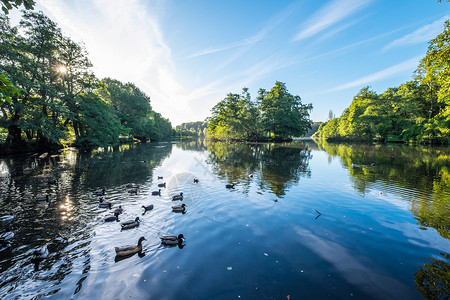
275 115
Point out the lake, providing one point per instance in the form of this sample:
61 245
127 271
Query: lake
303 221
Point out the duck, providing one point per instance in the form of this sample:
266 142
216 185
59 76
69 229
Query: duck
148 207
40 254
172 239
42 198
99 192
133 191
131 249
162 185
156 193
177 197
230 186
112 218
118 210
179 208
160 177
195 180
104 204
130 185
130 224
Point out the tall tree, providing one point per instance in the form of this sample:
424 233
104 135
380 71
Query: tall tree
283 114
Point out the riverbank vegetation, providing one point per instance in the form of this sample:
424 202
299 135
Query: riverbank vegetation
417 111
53 99
275 115
192 129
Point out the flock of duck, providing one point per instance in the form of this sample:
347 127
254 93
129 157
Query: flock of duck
42 252
121 251
132 189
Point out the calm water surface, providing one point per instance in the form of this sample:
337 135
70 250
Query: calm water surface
383 230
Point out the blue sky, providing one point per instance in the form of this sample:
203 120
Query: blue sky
187 55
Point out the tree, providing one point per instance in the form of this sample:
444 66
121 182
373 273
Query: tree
283 115
7 5
235 117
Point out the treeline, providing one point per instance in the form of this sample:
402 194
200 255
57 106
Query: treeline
51 98
192 129
417 111
275 115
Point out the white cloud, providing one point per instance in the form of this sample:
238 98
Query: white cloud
380 75
421 35
125 42
330 14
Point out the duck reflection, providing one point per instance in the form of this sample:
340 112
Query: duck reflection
120 258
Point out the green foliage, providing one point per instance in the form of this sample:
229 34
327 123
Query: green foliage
417 111
132 107
192 129
97 123
276 114
50 97
283 115
7 5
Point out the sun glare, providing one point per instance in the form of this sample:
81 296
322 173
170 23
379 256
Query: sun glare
62 69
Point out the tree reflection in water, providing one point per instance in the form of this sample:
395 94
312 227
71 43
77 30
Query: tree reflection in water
433 279
275 167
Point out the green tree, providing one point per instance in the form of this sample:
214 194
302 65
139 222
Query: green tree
7 5
283 115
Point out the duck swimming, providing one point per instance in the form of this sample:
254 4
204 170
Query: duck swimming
160 177
162 185
179 208
132 249
172 239
118 210
40 254
195 180
112 218
230 186
148 207
99 192
156 193
177 197
130 224
133 191
104 204
129 185
42 198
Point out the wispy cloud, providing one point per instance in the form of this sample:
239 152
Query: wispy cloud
254 39
328 15
421 35
380 75
125 42
259 36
